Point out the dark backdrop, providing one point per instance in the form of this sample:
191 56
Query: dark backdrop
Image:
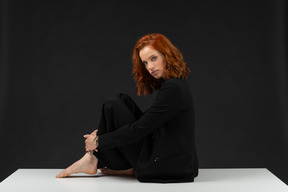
59 61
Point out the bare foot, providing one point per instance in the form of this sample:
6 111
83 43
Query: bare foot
127 172
87 164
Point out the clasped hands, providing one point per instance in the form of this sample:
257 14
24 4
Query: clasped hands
89 142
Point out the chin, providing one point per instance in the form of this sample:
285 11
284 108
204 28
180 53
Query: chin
157 77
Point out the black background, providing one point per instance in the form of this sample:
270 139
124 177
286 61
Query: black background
61 59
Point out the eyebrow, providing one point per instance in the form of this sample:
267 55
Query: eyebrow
153 54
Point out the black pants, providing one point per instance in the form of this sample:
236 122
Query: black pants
116 112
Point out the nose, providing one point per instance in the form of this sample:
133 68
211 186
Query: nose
150 66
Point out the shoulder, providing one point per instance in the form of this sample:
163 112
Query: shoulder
173 88
174 83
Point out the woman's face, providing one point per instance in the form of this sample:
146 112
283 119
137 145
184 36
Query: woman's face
153 60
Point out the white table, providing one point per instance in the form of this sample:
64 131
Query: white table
214 180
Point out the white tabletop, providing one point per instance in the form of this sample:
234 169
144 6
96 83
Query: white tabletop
214 180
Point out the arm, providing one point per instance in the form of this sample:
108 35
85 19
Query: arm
167 104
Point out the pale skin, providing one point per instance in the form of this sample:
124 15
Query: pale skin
154 61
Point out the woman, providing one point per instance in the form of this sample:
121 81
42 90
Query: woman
157 146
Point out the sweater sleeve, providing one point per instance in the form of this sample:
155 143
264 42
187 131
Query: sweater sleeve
167 105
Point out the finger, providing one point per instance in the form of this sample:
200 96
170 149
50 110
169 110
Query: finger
94 132
86 136
104 168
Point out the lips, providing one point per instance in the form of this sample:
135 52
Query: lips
154 72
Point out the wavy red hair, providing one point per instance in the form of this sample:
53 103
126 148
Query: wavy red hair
175 67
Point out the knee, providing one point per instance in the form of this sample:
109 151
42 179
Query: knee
117 101
124 97
110 102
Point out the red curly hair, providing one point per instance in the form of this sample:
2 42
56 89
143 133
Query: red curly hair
175 67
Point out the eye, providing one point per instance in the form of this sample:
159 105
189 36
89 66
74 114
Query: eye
145 63
153 58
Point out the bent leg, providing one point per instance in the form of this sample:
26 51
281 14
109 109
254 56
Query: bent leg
116 112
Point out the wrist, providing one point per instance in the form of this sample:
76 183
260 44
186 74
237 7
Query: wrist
95 141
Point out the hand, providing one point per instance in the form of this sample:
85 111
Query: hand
94 132
89 142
